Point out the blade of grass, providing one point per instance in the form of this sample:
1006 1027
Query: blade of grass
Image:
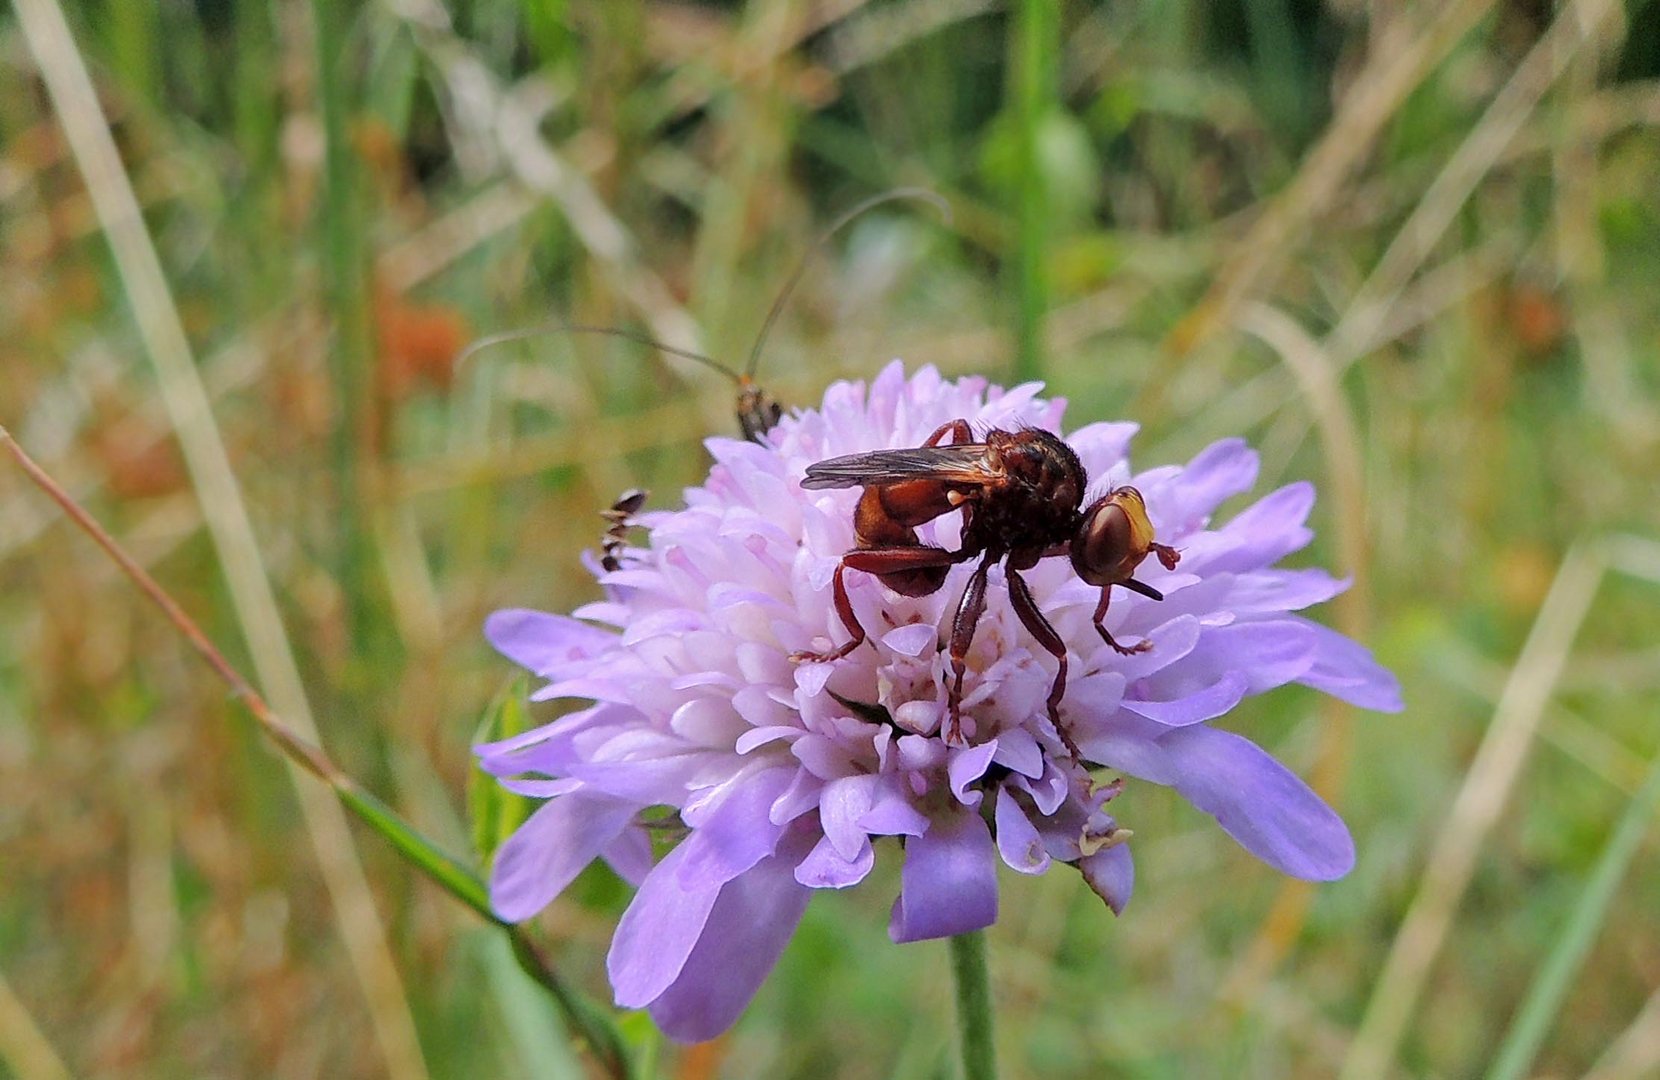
1393 70
23 1046
542 1048
139 267
1555 978
1473 814
1636 1053
357 421
1316 379
1578 24
447 871
1034 66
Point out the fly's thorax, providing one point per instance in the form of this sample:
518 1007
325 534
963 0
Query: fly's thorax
1034 503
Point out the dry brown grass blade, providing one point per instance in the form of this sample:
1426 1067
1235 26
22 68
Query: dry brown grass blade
24 1049
1392 72
1636 1053
1316 378
139 268
1473 814
1579 24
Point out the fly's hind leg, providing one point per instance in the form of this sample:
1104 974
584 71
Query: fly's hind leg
957 429
906 565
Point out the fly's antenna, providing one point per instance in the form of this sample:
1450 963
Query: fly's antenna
931 197
528 332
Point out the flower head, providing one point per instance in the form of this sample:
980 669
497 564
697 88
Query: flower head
786 774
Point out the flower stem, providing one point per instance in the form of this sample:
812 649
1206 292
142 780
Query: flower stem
974 1029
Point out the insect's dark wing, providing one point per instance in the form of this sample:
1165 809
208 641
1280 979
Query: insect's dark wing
963 463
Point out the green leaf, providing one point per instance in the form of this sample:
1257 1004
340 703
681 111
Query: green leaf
458 879
494 812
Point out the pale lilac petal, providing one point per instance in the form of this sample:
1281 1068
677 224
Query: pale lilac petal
1103 444
1048 791
949 882
541 789
799 798
1268 654
592 687
1094 697
1201 705
1110 874
826 868
893 814
1134 748
911 640
921 753
1017 841
737 833
1264 532
646 781
550 748
966 767
1345 669
842 806
629 855
554 844
755 738
747 929
542 642
658 931
1170 642
1220 470
1260 803
1019 751
1269 592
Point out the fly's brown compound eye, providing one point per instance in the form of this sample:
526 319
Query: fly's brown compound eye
1105 537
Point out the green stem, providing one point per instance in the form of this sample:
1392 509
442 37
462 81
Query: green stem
974 1029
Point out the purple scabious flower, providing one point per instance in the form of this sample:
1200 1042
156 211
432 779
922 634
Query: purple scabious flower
784 776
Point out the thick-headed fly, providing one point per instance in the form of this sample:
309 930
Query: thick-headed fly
1021 494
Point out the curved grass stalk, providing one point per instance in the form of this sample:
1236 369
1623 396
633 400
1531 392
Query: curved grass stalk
591 1023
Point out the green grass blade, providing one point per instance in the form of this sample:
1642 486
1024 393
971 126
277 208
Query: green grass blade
449 872
1544 998
346 270
542 1041
1034 71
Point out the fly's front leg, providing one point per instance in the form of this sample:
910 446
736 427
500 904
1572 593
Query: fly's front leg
969 610
1100 625
900 561
1038 626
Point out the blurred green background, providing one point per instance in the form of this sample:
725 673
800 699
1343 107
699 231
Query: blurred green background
1412 251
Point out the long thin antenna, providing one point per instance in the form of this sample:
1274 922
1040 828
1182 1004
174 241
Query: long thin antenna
757 411
527 332
931 197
